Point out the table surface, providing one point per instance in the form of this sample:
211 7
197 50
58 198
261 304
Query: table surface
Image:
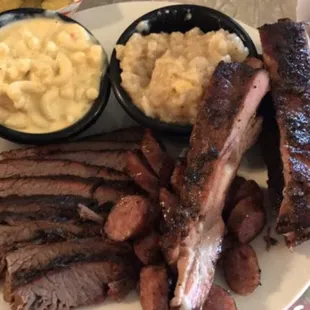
254 13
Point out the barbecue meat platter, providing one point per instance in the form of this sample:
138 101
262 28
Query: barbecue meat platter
92 220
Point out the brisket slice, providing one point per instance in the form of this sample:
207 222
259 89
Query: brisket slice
42 167
225 127
79 284
55 208
286 53
20 234
33 262
110 191
109 159
23 231
39 151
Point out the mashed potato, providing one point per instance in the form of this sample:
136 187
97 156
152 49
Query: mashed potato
166 74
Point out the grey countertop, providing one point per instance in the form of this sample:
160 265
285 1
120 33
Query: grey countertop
252 12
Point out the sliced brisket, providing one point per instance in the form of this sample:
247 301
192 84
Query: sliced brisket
79 284
20 234
23 231
226 126
286 53
42 167
109 159
39 151
109 192
55 208
34 262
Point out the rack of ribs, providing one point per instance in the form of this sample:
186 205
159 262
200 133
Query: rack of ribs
226 127
286 54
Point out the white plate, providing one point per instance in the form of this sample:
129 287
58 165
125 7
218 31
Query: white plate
285 275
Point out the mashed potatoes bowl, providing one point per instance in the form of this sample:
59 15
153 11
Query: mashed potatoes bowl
143 70
45 71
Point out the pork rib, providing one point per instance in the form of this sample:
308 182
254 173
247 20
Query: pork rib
286 53
226 126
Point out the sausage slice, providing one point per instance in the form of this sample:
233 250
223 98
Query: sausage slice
247 219
230 203
241 269
154 288
130 217
249 189
147 249
161 163
219 299
141 174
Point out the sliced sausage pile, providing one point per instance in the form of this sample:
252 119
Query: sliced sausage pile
245 218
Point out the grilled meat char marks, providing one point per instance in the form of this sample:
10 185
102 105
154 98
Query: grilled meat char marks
226 126
287 56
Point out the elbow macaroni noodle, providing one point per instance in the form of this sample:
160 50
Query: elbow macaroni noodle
50 74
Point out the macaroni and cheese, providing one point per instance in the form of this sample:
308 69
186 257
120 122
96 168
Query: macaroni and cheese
44 4
166 74
50 74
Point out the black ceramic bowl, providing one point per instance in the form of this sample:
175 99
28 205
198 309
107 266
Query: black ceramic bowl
81 125
170 19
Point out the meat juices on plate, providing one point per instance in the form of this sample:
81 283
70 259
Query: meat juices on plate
226 126
286 53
